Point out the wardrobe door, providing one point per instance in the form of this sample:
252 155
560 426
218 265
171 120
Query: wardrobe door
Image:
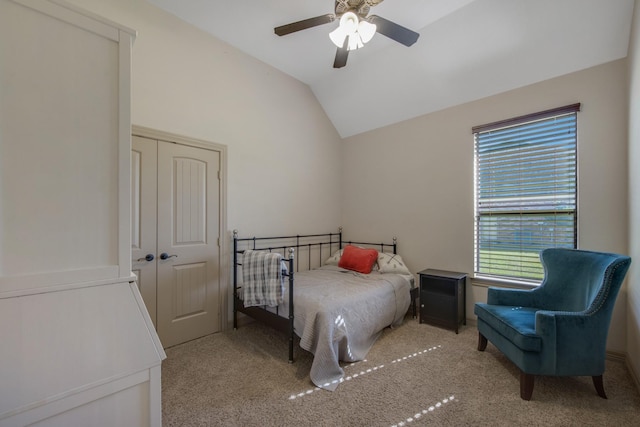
76 345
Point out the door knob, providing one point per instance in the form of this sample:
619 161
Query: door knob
148 257
165 255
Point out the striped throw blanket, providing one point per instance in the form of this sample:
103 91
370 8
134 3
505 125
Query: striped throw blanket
263 282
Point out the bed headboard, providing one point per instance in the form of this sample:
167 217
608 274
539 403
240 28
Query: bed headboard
309 250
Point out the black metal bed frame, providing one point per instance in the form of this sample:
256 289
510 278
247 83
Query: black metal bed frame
297 243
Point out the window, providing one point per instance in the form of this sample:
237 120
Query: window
525 192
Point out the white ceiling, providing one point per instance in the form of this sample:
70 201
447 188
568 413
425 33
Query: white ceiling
467 50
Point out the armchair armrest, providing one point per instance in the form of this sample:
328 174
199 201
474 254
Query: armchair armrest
579 341
569 324
511 297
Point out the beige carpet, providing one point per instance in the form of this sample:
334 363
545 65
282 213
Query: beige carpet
415 375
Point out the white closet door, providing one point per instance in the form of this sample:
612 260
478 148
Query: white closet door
144 209
175 210
188 234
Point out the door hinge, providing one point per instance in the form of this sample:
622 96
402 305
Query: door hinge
219 176
218 241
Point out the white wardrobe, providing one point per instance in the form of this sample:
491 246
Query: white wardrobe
77 346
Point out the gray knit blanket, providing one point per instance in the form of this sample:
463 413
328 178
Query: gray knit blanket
262 279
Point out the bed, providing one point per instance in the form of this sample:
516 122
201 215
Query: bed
339 308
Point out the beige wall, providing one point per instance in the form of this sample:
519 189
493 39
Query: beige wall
282 148
414 179
633 282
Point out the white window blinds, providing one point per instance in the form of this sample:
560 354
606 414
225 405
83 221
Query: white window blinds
526 190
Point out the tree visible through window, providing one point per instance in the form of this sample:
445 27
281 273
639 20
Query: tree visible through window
525 191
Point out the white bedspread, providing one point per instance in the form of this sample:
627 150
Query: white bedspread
339 314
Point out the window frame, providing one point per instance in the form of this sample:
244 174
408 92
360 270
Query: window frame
514 123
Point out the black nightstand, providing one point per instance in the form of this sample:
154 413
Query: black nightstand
442 298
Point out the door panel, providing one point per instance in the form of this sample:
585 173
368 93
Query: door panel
144 176
189 221
188 232
190 291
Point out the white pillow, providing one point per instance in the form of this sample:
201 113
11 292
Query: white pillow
391 263
335 258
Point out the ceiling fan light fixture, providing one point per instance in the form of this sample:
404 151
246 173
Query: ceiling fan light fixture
358 32
348 27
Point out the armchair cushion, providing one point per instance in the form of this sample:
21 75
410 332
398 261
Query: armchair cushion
517 324
513 297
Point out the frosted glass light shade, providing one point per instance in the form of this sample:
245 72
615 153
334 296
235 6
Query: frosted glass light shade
355 42
338 36
366 30
349 21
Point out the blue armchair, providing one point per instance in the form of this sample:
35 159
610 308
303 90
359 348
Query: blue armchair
559 328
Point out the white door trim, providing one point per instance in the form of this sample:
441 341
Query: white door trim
225 256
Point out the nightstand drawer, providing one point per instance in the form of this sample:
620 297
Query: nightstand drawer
438 285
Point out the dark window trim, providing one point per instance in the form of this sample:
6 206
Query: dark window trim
573 108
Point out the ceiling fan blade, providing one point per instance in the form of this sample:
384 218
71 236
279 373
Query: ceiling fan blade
304 24
394 31
341 57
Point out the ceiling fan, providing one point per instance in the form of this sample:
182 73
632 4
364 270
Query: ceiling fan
356 28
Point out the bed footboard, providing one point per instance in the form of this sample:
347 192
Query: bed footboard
274 320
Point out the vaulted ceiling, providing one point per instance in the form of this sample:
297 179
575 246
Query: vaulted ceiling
467 49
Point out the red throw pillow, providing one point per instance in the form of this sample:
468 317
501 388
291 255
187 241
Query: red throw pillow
358 259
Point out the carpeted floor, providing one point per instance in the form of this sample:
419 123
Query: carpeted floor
415 375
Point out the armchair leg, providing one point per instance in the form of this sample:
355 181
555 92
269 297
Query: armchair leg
526 386
597 382
482 342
